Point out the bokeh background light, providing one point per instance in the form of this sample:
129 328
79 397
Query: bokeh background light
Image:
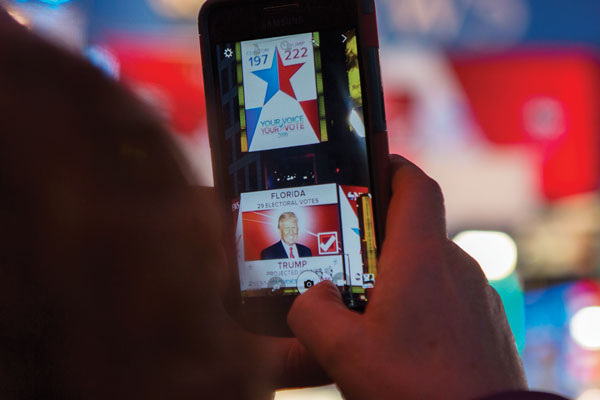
496 252
19 17
497 100
585 328
591 394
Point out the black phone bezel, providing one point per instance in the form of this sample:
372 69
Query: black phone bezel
249 19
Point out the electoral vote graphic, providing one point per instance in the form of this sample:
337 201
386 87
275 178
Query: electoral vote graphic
280 92
285 233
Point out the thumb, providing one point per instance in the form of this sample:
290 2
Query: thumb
325 326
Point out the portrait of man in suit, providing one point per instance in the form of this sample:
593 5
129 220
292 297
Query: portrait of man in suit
287 247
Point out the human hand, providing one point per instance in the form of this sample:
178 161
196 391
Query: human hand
110 261
433 328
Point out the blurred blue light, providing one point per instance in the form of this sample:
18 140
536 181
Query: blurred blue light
54 2
105 60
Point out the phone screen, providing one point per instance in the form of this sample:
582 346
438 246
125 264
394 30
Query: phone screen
296 160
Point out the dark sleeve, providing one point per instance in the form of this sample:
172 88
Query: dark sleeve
524 395
303 250
270 253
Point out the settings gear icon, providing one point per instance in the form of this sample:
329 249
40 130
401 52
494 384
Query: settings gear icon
228 53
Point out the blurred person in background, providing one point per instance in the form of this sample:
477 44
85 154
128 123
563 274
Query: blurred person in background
112 275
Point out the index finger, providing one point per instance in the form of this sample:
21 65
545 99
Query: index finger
416 212
416 224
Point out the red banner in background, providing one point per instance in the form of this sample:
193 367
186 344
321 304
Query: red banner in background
169 77
546 100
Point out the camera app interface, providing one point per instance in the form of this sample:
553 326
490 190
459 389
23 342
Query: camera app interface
297 168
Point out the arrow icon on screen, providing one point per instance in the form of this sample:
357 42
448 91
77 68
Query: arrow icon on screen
345 38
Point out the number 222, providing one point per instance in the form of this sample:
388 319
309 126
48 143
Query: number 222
296 53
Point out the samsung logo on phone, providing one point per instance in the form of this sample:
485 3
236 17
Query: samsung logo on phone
282 22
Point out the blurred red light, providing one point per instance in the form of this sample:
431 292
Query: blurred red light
547 100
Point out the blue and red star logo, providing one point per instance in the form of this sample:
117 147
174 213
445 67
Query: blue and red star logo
278 77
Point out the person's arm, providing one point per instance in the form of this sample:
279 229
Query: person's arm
433 328
523 395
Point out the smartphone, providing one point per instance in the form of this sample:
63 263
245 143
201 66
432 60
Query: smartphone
300 153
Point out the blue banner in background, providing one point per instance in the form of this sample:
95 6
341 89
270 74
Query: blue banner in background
452 24
484 24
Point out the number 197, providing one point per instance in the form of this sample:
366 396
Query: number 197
258 60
